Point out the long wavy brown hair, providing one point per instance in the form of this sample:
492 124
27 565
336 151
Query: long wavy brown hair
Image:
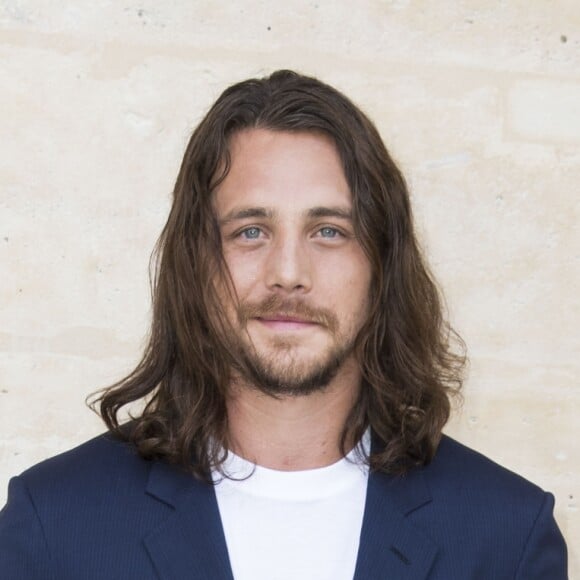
411 360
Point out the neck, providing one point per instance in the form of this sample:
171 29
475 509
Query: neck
292 433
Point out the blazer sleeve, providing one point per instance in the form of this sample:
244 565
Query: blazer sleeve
23 548
544 555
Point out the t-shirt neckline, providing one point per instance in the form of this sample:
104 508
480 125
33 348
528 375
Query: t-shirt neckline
304 485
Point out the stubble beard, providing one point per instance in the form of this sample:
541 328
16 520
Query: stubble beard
281 371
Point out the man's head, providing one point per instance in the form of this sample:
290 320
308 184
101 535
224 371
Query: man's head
299 275
289 252
297 119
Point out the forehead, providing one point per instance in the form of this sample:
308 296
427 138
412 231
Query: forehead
287 171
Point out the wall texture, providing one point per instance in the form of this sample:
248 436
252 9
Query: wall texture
479 101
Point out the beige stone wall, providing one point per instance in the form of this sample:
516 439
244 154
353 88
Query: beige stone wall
479 101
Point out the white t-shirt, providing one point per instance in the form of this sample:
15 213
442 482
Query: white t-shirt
293 525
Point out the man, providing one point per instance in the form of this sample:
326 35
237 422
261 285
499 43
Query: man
294 387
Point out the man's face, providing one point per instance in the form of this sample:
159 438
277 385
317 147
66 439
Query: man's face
301 276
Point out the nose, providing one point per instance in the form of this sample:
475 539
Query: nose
288 267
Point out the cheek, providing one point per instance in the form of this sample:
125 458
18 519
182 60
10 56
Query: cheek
245 272
350 270
346 284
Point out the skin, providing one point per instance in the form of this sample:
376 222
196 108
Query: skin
302 283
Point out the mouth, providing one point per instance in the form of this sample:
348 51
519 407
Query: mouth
288 323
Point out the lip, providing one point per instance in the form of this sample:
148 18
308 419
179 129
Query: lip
285 323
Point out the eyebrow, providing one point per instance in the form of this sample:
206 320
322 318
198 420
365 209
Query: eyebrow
337 212
247 212
269 213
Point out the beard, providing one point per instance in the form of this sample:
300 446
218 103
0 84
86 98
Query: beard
281 371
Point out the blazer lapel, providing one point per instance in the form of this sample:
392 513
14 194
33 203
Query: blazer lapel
391 547
190 544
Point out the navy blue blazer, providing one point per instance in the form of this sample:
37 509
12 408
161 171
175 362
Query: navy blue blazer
100 512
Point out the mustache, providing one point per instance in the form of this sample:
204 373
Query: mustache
277 306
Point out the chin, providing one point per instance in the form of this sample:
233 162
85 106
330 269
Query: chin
289 374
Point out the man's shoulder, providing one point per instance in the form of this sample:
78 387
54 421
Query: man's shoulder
457 471
99 463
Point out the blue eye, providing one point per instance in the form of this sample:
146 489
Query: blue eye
329 232
252 233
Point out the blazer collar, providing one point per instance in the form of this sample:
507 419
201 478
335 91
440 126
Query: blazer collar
391 547
191 544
